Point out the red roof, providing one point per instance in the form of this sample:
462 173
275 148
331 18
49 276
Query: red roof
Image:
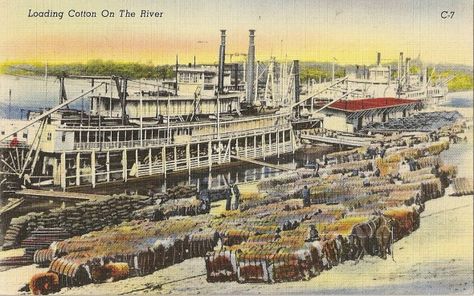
373 103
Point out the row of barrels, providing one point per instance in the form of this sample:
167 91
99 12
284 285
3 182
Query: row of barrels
84 267
90 215
462 186
374 214
293 258
173 207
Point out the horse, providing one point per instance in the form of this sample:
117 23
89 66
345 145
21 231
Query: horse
384 236
365 232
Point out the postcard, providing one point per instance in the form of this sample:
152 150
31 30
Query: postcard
236 147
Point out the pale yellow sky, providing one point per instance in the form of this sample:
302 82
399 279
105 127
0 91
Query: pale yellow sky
352 31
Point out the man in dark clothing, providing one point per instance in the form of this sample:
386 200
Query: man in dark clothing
306 200
377 172
316 169
277 234
236 191
313 234
158 215
412 164
205 199
382 152
228 197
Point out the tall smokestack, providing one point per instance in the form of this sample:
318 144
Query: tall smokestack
378 58
250 73
296 72
400 66
407 70
220 79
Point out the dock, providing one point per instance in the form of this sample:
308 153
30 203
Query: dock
345 141
59 195
270 165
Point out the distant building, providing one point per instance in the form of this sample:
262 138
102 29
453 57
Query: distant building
352 115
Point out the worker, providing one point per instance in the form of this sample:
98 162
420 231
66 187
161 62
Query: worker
377 172
236 193
316 168
382 151
313 234
366 181
158 215
306 193
277 234
413 165
355 173
228 197
205 200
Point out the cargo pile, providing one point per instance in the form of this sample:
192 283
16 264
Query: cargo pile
462 186
172 207
355 213
137 247
359 205
94 215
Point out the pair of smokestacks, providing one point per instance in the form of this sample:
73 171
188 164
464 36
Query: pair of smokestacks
250 71
250 67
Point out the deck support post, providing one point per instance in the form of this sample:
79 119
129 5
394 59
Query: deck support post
209 180
209 155
255 146
163 160
107 165
150 162
124 165
62 170
263 146
136 158
245 151
284 142
175 158
293 141
78 169
219 153
188 158
93 177
270 143
278 143
198 156
236 148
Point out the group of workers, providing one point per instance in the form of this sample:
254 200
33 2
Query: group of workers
232 195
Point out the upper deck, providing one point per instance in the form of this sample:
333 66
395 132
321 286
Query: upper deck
70 137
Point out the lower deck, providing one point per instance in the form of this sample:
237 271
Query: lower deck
77 168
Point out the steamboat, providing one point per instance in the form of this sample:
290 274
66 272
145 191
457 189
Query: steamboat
207 116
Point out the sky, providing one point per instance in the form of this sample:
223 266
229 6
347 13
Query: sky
349 31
